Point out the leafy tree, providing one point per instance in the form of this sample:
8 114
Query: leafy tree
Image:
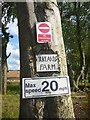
5 40
75 31
8 14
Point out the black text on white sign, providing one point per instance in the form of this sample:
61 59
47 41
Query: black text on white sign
46 62
45 87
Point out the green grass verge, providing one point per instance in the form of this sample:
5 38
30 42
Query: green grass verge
10 106
10 101
13 88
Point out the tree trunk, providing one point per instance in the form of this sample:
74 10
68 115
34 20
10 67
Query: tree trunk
4 78
33 12
87 68
0 62
0 46
4 70
81 69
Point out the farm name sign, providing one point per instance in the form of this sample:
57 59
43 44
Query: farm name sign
45 87
46 62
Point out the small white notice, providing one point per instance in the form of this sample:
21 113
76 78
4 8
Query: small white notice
45 87
46 62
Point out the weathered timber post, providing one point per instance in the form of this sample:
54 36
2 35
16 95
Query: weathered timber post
29 13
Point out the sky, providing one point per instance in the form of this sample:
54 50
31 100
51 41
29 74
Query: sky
13 47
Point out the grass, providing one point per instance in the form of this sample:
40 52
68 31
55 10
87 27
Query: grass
10 101
13 88
10 106
87 84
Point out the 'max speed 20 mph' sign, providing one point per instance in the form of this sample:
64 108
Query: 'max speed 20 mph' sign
45 87
46 62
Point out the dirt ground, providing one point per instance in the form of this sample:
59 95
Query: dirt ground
81 103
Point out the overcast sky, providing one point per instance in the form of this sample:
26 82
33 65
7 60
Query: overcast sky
13 47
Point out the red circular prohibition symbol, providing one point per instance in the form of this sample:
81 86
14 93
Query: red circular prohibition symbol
44 28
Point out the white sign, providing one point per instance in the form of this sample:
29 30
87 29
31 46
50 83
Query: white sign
43 32
46 62
45 87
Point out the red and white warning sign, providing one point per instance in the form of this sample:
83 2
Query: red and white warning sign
44 32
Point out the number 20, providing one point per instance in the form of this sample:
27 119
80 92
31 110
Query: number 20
51 86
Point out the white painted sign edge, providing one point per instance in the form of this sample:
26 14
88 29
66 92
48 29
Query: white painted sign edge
69 90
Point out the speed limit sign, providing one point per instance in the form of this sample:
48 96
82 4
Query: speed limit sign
45 87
